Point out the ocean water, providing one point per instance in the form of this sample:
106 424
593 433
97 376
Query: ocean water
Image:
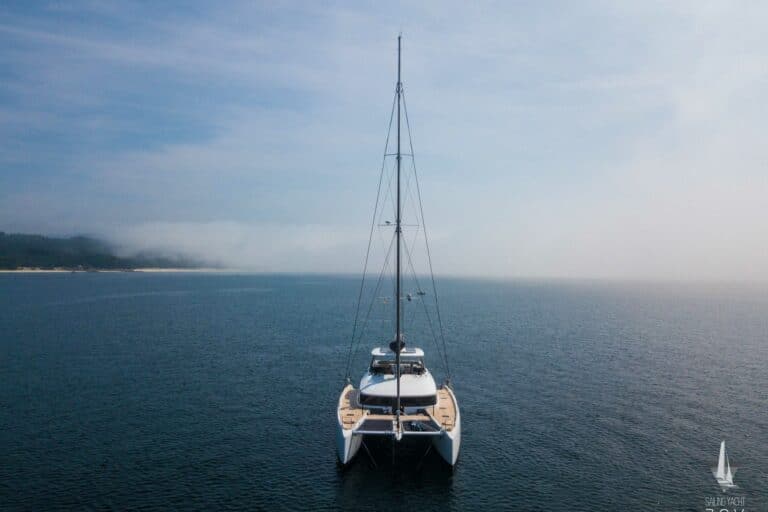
218 391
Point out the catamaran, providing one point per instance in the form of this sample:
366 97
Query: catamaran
397 396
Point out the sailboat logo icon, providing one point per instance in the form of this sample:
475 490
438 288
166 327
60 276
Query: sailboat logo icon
723 473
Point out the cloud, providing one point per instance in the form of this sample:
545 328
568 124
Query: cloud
583 140
254 247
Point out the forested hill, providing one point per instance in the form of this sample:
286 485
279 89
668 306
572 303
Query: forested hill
78 252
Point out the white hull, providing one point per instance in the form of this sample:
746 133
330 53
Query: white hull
445 435
448 444
347 444
724 483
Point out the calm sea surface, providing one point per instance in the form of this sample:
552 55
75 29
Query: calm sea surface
211 391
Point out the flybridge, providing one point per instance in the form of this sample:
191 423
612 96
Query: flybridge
405 352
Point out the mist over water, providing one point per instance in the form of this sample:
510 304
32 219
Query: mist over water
201 391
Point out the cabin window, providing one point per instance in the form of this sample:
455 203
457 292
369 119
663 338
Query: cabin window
387 367
405 401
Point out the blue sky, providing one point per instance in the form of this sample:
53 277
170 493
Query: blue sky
554 139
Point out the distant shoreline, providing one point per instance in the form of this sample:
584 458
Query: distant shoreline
110 270
24 252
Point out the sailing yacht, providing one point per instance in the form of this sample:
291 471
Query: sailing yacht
723 473
397 396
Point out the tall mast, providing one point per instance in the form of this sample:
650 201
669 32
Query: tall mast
398 333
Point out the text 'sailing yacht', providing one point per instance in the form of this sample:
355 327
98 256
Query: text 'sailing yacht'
397 396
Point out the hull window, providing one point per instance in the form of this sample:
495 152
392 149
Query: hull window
405 401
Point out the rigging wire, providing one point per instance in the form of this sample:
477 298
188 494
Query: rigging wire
426 238
388 195
442 353
370 238
358 329
373 301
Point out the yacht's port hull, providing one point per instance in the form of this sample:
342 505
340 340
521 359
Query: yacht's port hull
448 444
347 445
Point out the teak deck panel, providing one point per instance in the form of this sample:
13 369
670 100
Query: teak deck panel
350 411
445 410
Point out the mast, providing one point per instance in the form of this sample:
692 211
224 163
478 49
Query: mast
398 334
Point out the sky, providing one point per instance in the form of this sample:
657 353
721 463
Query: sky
594 139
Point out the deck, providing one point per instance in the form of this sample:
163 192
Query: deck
350 412
445 410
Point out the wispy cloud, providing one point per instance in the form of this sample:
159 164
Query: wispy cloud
590 139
